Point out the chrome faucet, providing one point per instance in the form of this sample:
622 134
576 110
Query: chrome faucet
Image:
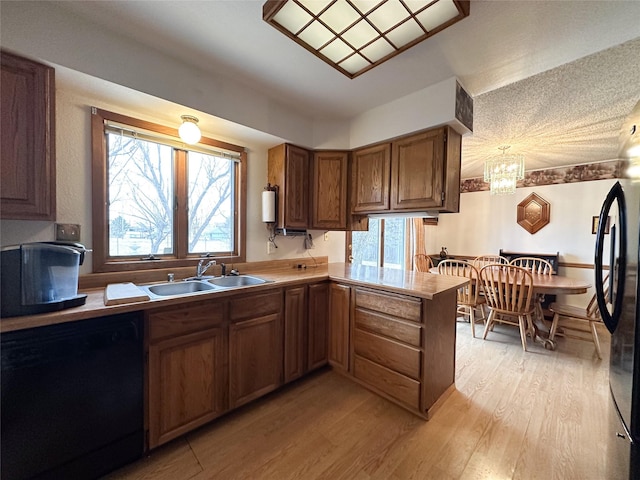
202 267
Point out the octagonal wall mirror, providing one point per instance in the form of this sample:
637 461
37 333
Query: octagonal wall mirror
533 213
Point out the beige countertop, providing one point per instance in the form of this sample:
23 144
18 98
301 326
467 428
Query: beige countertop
423 285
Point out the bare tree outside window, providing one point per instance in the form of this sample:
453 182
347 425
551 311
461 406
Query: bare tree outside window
141 199
210 203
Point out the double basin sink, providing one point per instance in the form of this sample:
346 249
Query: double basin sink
206 284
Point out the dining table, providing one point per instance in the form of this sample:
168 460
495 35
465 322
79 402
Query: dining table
544 284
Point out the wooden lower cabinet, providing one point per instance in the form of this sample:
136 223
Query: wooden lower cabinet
255 346
318 326
306 309
402 347
339 314
295 332
187 369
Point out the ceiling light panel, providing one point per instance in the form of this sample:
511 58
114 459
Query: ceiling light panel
292 17
365 6
316 35
360 34
354 63
388 15
377 50
405 33
339 16
437 14
354 36
336 50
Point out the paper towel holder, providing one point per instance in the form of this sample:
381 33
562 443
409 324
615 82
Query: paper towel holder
269 203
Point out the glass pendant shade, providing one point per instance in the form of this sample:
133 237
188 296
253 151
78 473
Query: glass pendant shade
503 172
189 131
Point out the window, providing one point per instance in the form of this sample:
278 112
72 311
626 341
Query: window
385 244
159 203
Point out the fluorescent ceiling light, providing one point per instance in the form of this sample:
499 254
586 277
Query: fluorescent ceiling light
354 36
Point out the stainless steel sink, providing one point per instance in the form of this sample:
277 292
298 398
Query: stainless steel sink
179 288
237 281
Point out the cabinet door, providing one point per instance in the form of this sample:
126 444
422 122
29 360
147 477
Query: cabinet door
289 168
187 383
417 171
318 325
370 170
295 323
27 140
255 358
329 201
339 312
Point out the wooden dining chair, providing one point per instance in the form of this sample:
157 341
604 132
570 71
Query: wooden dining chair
539 266
467 297
579 323
483 260
422 262
508 290
534 264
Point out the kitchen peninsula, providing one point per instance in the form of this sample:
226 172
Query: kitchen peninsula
391 331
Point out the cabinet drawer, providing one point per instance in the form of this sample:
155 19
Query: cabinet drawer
255 305
389 327
388 353
387 381
185 319
407 308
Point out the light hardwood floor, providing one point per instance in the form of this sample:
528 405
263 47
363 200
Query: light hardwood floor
514 415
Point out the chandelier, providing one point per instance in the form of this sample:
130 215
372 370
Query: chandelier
503 172
354 36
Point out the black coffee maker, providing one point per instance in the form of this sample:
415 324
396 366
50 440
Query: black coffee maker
40 277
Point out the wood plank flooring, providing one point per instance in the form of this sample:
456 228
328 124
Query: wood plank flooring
514 415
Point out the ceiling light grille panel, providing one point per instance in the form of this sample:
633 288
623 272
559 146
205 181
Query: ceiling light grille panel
377 50
356 35
354 63
316 35
292 17
360 34
336 50
437 14
339 16
417 5
405 33
365 6
388 15
316 6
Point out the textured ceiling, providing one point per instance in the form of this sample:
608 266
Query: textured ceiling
569 115
540 73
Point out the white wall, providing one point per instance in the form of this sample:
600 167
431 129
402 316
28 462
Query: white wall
486 223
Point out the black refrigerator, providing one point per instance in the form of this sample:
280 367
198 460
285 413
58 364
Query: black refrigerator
618 303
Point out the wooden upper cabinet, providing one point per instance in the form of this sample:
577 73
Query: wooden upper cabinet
417 171
370 170
27 141
289 169
413 173
329 187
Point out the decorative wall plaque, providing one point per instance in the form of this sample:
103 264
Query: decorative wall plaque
533 213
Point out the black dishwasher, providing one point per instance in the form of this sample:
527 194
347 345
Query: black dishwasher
72 398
